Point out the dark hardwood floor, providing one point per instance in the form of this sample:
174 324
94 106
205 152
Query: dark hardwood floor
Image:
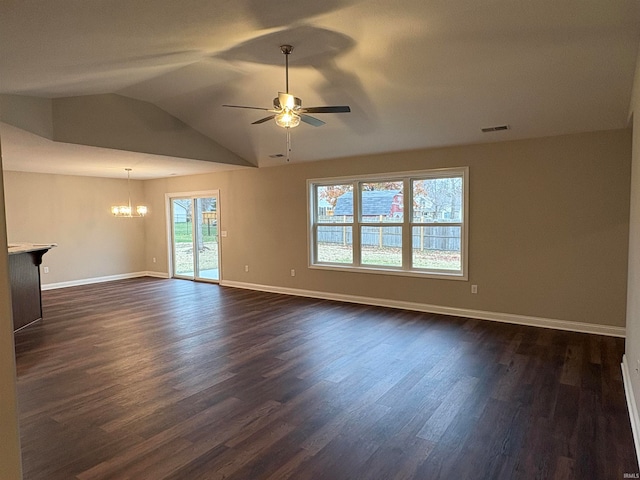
168 379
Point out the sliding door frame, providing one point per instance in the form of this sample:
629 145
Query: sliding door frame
169 230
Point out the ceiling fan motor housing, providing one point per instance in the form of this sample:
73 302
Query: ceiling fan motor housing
297 103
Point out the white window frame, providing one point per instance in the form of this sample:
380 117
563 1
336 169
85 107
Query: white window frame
407 223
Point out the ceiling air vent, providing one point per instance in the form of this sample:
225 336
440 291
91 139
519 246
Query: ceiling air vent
495 129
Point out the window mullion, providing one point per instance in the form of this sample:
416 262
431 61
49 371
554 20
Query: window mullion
407 234
437 224
313 217
355 235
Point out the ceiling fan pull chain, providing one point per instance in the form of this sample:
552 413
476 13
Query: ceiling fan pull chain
288 144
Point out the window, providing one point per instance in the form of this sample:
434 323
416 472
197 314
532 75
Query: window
334 217
409 223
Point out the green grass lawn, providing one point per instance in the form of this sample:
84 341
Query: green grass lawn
182 232
389 257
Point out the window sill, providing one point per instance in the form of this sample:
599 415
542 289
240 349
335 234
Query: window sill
391 271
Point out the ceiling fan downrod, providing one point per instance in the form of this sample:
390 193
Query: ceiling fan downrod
286 49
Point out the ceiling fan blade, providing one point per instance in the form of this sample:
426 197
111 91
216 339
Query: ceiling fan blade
332 109
262 120
242 106
316 122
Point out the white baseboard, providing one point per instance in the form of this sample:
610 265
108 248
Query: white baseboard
421 307
155 274
88 281
632 405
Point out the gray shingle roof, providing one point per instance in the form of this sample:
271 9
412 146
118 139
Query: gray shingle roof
373 203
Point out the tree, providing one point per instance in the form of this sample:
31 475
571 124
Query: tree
431 196
186 204
330 193
442 195
372 187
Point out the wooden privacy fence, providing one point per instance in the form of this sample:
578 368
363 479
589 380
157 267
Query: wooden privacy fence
424 238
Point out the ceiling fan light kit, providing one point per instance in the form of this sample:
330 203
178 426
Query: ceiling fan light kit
287 119
287 109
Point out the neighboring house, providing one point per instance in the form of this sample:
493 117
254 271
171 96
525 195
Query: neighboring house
389 203
375 203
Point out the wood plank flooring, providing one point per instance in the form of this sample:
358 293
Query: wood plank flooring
169 379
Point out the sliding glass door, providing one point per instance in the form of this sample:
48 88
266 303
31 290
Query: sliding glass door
194 233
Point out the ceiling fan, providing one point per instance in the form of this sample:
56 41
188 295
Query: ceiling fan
287 109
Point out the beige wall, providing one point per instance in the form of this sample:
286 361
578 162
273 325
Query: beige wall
632 344
10 460
548 227
124 123
74 212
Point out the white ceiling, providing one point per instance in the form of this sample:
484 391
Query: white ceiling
416 73
25 152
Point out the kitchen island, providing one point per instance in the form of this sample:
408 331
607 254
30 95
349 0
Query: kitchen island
24 276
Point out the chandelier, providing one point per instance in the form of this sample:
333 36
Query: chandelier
126 210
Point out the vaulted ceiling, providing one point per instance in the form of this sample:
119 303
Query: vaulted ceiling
416 73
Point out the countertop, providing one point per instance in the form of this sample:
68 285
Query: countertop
15 248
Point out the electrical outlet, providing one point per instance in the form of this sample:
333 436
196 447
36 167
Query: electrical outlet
246 268
154 259
474 288
45 269
223 233
293 272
